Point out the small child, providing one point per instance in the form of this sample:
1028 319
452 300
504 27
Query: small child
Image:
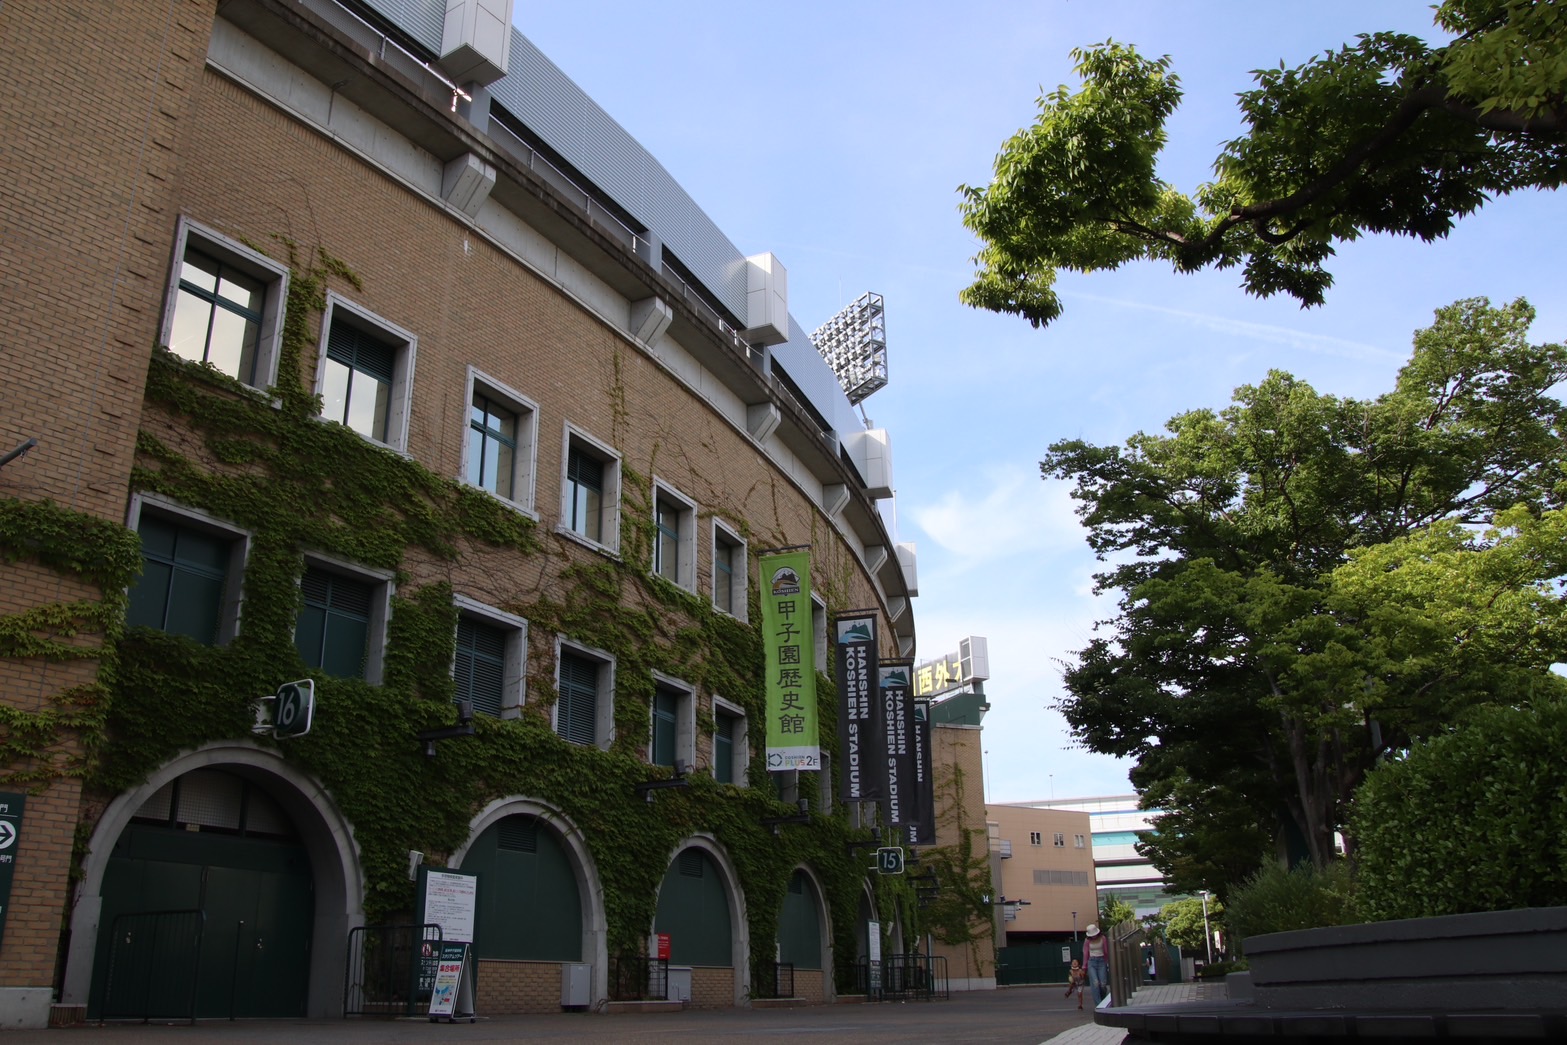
1076 978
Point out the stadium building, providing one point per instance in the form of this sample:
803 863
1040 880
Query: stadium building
349 341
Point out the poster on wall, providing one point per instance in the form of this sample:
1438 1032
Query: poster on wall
859 726
449 899
900 805
789 648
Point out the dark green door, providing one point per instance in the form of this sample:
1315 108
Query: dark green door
252 957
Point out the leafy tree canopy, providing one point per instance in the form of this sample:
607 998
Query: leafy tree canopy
1389 134
1306 582
1184 925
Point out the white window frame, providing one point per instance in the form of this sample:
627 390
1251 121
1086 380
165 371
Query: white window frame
384 583
269 341
607 455
685 720
604 705
1058 839
514 691
406 345
742 741
685 565
1036 838
740 574
239 541
525 459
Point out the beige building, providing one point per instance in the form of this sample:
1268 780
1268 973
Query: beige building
1044 859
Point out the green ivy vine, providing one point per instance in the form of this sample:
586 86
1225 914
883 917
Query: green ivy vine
266 463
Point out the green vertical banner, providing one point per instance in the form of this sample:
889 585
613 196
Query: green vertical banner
789 641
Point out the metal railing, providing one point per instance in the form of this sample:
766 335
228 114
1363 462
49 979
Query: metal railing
772 980
635 978
391 969
154 965
1126 962
897 977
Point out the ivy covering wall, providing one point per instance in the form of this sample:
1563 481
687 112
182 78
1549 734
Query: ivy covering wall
265 463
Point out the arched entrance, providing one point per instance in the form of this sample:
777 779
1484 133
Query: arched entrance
804 936
700 909
539 901
255 846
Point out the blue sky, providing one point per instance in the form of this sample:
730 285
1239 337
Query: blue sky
836 134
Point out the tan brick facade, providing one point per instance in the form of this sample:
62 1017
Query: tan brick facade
139 132
518 987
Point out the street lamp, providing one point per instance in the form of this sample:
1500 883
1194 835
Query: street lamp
1074 926
1207 937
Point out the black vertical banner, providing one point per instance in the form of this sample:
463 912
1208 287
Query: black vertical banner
859 735
921 829
897 730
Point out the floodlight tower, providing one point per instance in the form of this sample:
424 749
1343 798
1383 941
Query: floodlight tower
854 343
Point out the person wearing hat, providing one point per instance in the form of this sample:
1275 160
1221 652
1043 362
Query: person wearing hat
1096 955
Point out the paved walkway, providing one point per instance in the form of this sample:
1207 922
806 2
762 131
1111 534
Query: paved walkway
1152 994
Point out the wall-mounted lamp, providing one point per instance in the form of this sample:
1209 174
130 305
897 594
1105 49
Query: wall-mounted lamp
647 787
802 817
18 452
463 728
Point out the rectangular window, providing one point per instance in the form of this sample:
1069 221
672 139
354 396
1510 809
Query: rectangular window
487 668
730 570
674 532
590 491
492 446
480 667
365 375
1034 838
183 582
334 625
729 743
585 495
666 546
1077 841
356 385
585 708
217 316
673 721
1060 840
225 306
666 708
500 451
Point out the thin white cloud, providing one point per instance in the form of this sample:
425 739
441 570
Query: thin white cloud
1262 332
1000 512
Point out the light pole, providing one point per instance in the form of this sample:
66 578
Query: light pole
1074 926
1207 937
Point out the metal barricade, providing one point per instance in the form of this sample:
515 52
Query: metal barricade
635 978
914 977
391 969
772 980
154 965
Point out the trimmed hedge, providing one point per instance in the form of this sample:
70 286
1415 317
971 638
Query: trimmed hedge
1474 820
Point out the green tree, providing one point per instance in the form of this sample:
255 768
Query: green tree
1184 925
1389 134
1304 584
1113 911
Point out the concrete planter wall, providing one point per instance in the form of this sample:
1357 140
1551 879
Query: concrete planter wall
1506 959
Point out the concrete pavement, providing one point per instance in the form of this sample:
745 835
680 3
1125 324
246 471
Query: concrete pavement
1150 994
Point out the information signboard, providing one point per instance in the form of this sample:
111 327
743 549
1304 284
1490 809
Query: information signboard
452 997
450 899
11 804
